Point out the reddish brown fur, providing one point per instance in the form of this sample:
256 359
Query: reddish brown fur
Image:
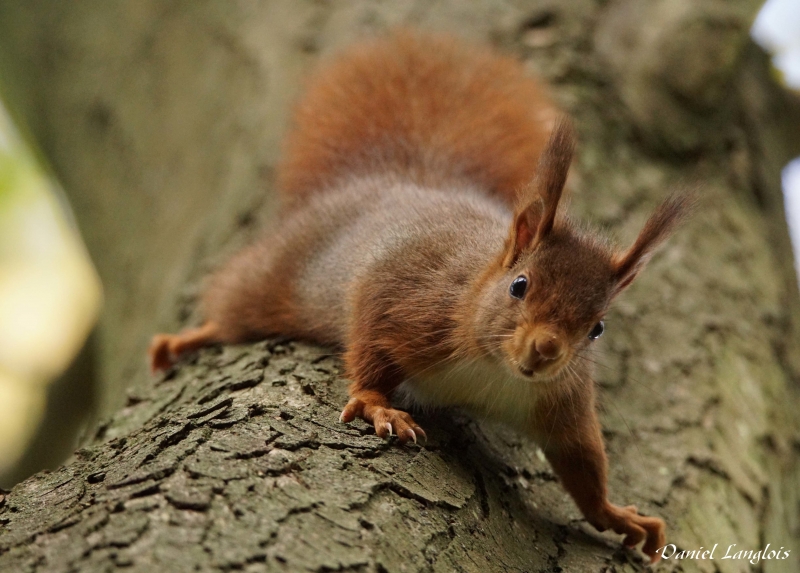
427 107
574 447
422 146
657 229
536 210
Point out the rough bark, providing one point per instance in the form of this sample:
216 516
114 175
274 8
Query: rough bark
162 120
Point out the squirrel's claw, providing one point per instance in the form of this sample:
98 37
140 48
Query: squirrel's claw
636 528
387 421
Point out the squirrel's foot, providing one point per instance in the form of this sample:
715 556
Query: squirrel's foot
387 421
635 528
159 353
166 348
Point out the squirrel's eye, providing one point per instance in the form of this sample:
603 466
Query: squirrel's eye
597 330
518 287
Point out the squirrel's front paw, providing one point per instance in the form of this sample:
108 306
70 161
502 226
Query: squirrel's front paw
387 421
635 528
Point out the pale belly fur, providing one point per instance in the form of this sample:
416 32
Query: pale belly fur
482 387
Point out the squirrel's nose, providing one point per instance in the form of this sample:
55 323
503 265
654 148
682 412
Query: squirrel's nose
548 347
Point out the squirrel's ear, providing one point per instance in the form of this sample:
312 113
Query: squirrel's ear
536 214
656 230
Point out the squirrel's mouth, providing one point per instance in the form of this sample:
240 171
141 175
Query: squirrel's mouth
544 371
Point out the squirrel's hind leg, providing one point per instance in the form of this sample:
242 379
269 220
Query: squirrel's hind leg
166 348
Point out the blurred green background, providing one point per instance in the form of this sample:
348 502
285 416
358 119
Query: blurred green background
50 297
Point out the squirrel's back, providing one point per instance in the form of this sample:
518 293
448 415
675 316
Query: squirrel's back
426 107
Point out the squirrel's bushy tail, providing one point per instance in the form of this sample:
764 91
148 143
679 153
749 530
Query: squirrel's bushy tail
425 107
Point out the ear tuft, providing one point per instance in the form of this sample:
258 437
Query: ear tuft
551 173
659 226
535 217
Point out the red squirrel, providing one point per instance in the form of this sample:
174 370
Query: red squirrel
421 234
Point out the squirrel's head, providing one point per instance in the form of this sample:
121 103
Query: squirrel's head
546 302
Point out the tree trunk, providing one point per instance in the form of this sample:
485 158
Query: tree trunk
163 121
